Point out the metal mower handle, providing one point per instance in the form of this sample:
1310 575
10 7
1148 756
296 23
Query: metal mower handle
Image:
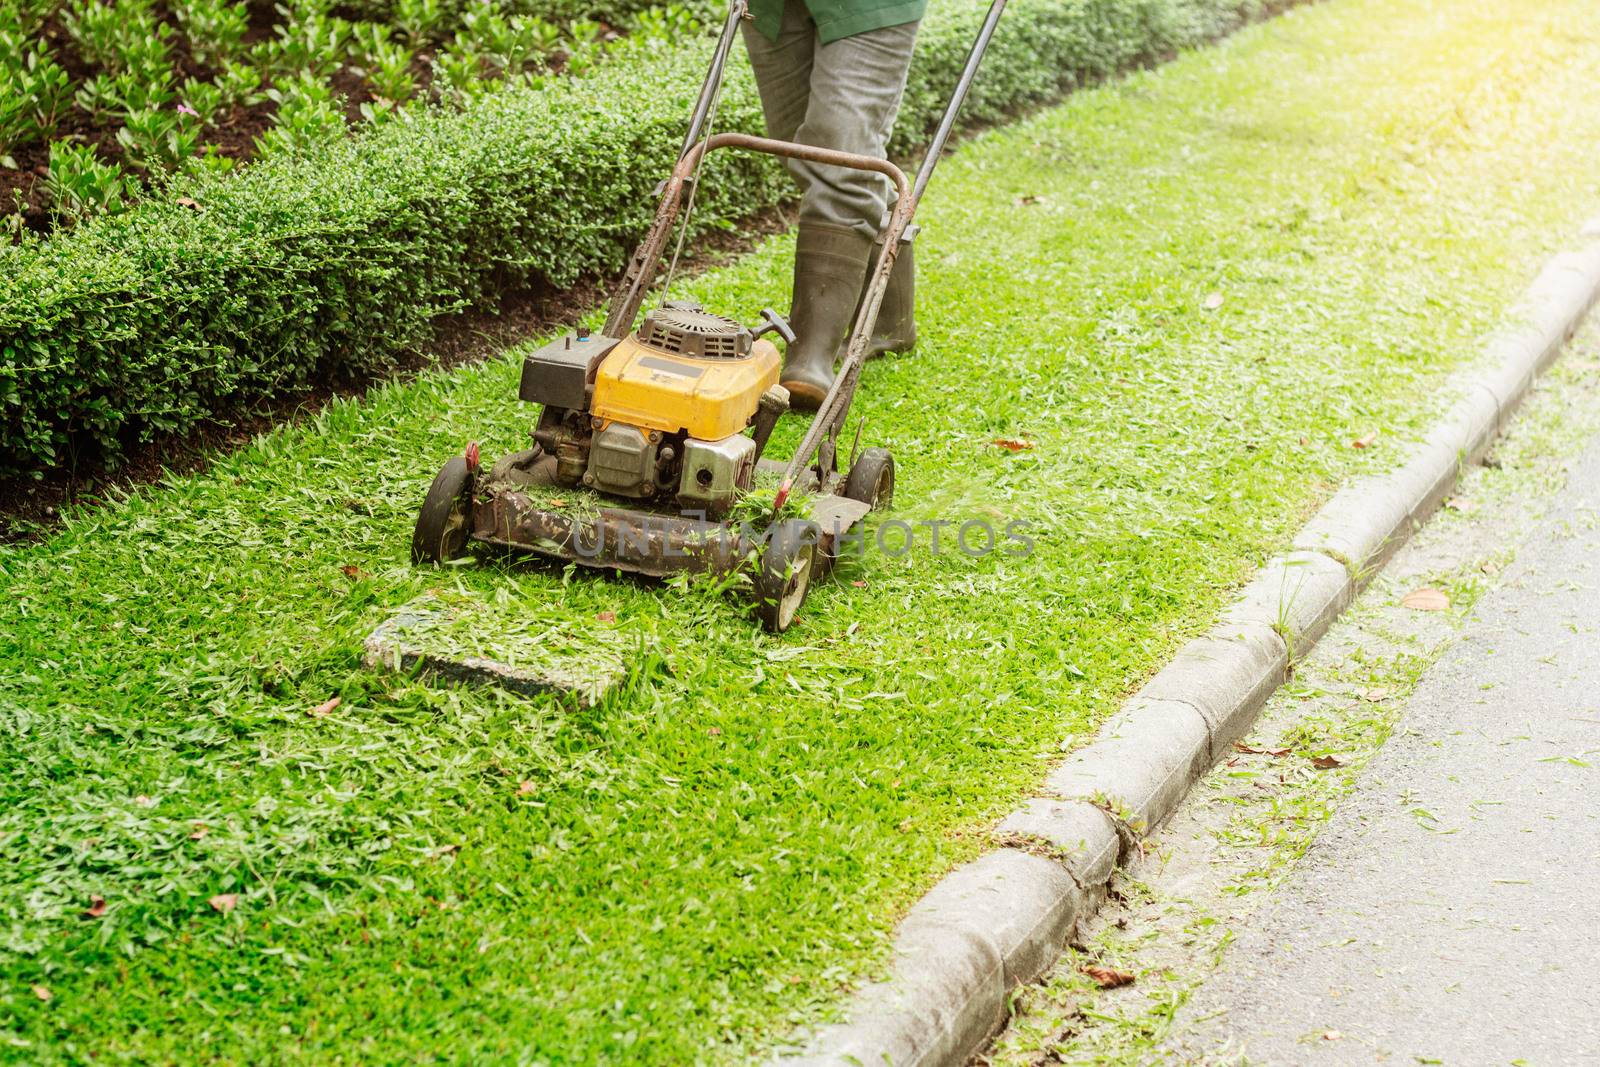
737 10
642 268
646 259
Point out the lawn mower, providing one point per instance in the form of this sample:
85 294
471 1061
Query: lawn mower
657 416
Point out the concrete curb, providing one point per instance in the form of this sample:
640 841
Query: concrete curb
1002 919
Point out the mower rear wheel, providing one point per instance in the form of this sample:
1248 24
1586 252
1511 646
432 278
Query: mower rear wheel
871 479
446 516
783 574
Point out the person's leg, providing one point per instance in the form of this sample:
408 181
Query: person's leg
830 262
856 85
783 69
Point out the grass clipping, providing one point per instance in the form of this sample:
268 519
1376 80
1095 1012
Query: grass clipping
758 509
518 629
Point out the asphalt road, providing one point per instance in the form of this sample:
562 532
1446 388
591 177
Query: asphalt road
1450 911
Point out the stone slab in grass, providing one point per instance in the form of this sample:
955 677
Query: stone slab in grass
457 637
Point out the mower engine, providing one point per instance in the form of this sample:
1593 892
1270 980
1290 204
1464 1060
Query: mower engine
659 415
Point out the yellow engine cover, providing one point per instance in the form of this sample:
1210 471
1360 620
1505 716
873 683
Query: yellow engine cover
657 390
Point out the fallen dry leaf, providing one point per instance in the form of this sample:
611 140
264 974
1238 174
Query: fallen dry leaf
1108 977
1365 441
606 616
1030 199
144 801
715 731
1465 507
96 908
557 503
1331 1035
1247 750
1212 302
189 202
445 850
1372 696
1011 444
1426 600
224 902
325 708
1491 568
43 993
859 584
525 787
1325 763
352 572
200 830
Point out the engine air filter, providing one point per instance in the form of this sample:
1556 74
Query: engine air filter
689 330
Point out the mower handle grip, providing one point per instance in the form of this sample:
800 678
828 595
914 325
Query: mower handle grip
772 322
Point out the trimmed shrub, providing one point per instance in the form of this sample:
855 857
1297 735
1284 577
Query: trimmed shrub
612 12
240 286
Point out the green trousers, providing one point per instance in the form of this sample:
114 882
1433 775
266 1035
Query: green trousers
842 95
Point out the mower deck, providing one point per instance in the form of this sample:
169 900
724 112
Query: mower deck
659 543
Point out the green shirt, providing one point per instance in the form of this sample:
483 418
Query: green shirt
840 18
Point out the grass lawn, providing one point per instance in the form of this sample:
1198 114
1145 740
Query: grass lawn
690 869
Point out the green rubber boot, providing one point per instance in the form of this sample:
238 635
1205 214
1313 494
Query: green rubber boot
829 265
896 329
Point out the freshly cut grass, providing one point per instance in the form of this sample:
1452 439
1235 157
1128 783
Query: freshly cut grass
515 626
715 855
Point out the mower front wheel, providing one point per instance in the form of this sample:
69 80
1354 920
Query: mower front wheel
446 516
871 479
783 573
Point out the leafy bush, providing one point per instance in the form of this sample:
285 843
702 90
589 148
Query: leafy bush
386 66
131 49
214 29
158 139
336 257
79 184
33 90
448 14
127 57
118 36
309 116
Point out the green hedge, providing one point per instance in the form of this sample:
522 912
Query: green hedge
238 287
611 12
